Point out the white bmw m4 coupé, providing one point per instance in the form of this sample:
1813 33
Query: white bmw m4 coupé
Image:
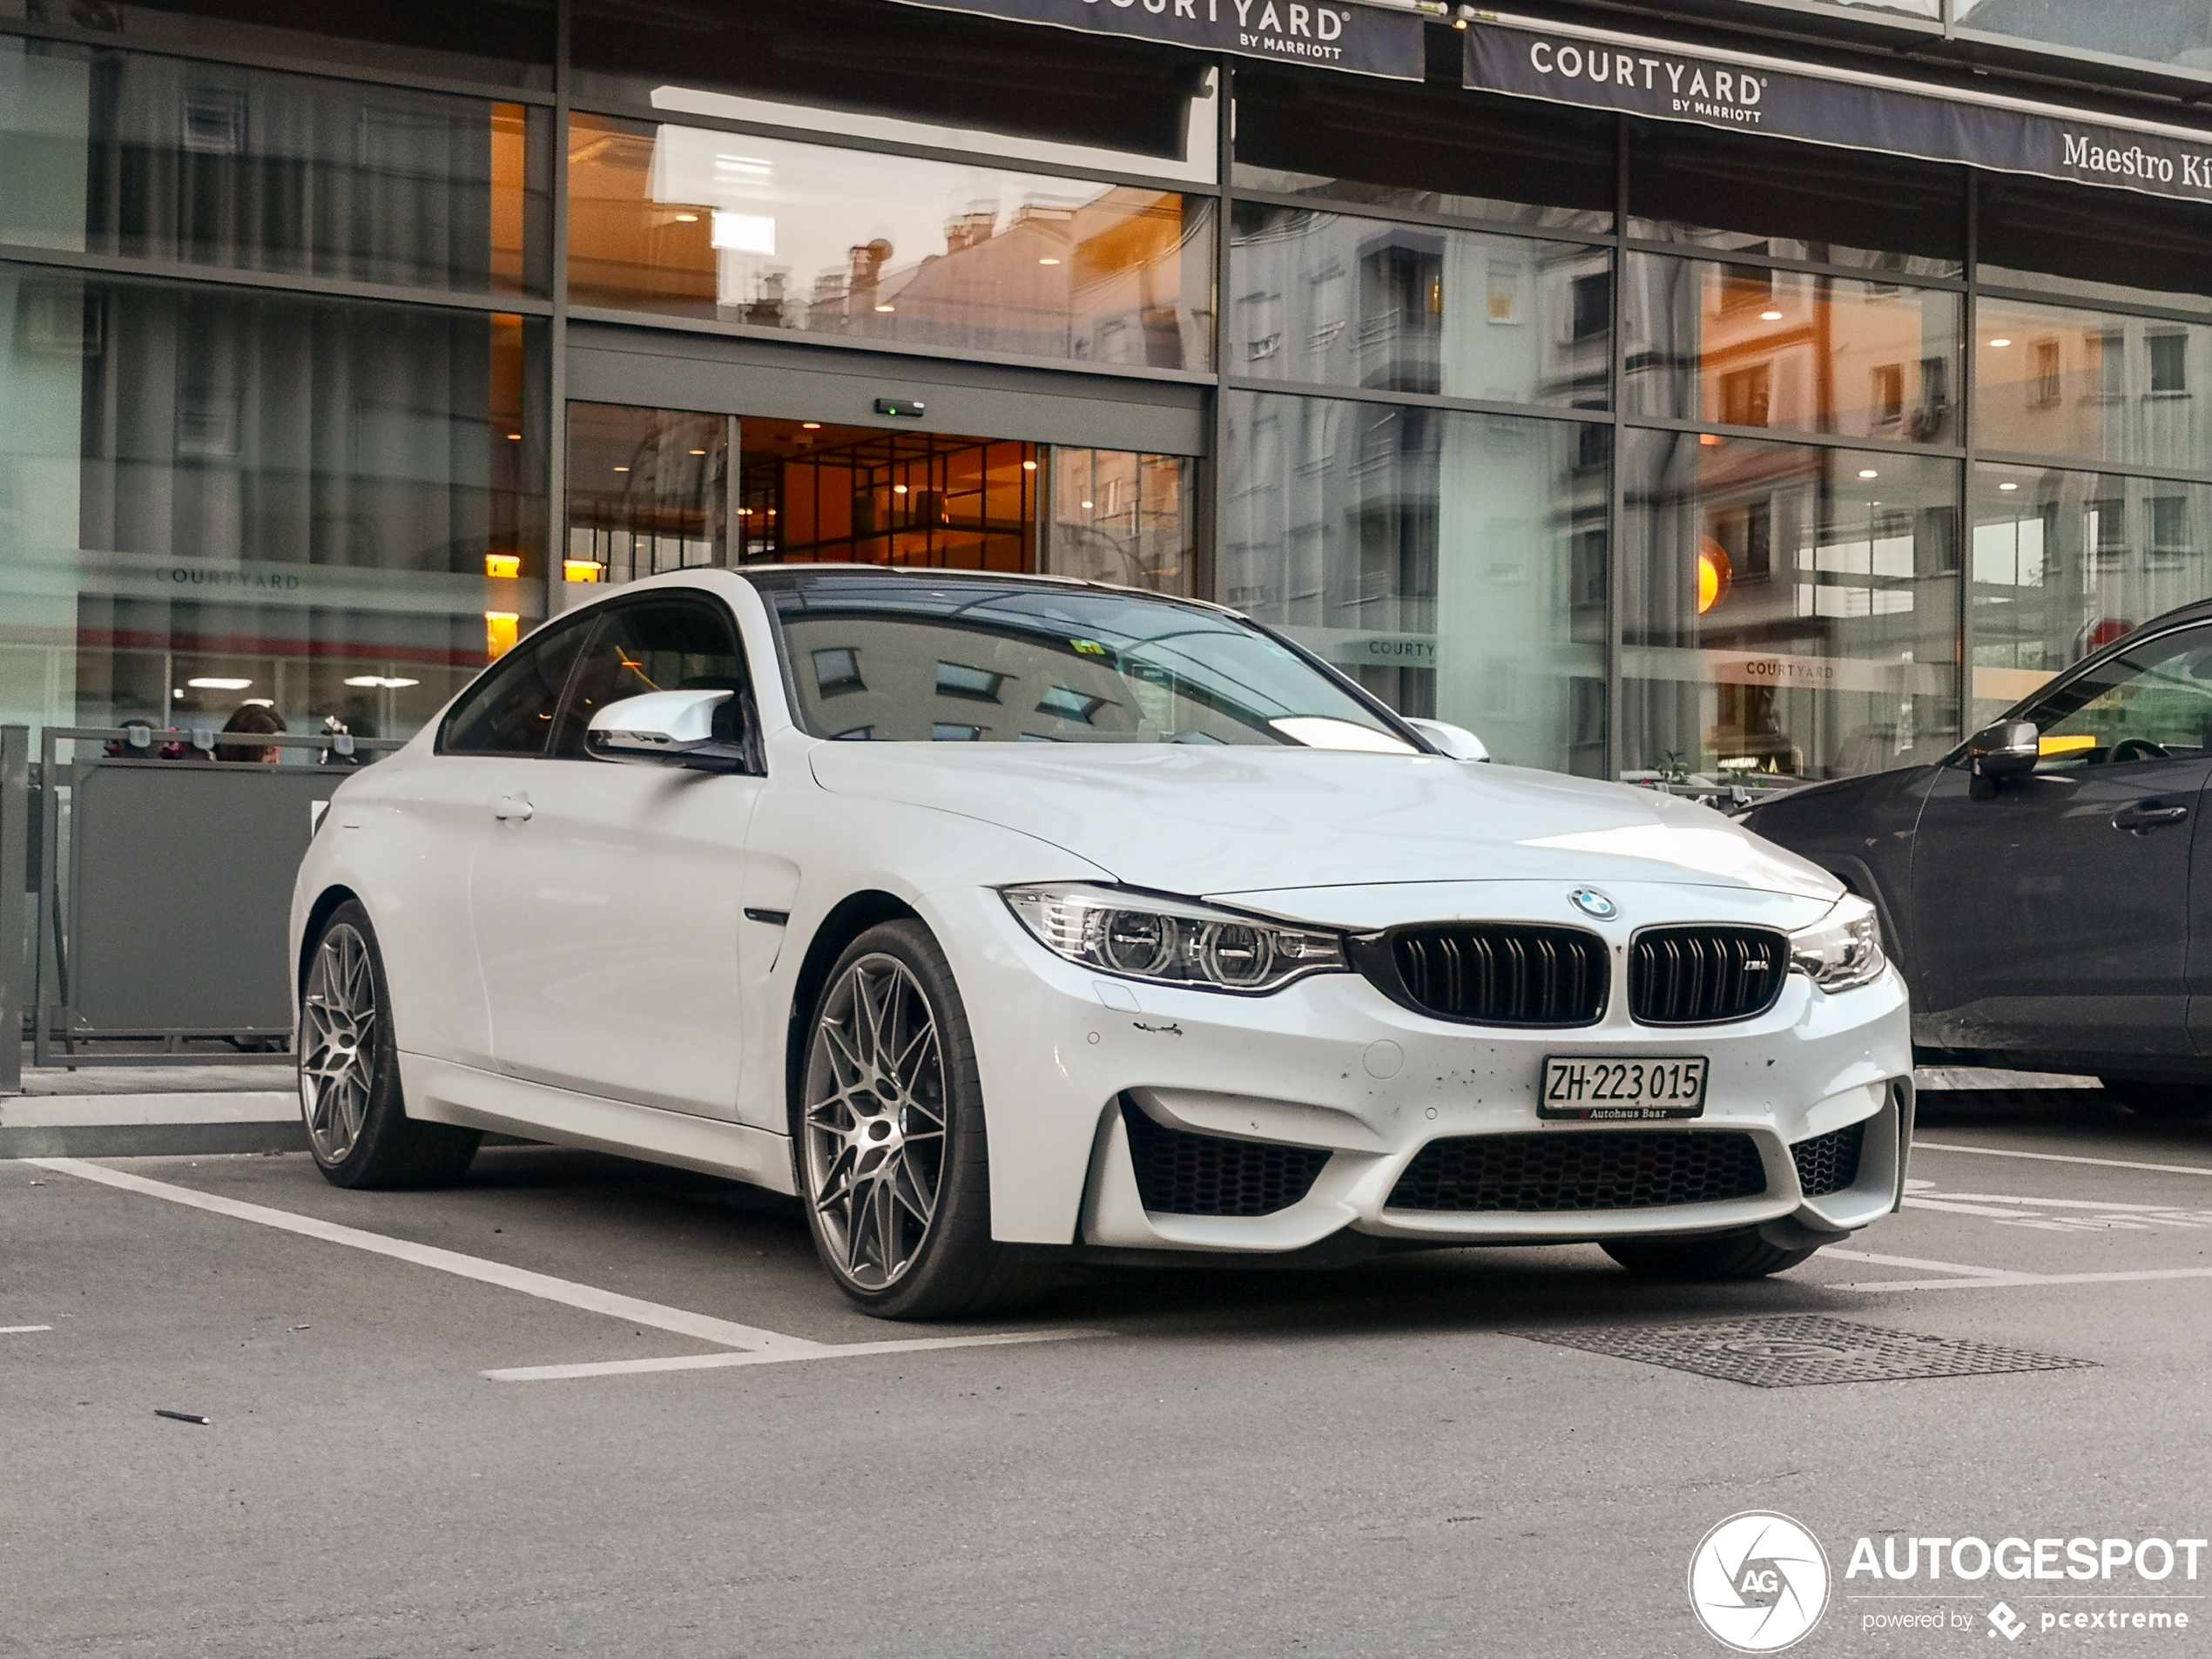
1008 922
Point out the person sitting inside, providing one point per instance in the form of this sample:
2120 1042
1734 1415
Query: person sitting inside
254 720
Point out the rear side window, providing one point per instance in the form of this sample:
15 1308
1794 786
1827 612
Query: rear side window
509 711
671 645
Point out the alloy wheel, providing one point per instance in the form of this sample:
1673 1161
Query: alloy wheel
338 1042
875 1121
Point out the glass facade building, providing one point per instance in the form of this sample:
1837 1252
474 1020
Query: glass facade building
338 357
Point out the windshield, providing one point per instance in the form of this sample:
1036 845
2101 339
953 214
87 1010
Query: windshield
910 659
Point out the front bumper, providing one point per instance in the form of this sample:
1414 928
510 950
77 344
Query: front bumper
1331 1063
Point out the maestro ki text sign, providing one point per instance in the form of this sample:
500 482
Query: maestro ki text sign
1817 104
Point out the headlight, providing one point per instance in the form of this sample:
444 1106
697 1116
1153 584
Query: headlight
1842 951
1170 942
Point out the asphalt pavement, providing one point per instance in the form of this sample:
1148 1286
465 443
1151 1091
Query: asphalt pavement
584 1406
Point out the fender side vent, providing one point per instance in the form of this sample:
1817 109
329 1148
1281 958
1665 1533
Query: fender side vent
1182 1174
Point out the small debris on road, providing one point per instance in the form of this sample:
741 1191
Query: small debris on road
303 1327
186 1417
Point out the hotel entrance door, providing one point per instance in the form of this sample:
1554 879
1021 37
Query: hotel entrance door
652 490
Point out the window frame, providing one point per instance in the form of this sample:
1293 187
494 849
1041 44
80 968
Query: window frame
748 700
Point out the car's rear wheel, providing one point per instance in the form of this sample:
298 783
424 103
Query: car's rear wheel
357 1123
894 1162
1714 1257
2171 1102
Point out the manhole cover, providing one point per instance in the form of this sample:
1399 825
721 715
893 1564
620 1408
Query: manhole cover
1793 1350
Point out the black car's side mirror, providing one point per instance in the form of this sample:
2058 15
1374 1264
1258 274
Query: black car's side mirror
2009 749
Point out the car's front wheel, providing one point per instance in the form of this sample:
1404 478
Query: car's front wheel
1713 1258
2171 1102
893 1164
357 1123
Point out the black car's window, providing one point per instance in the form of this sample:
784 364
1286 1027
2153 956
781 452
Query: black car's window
679 643
2151 703
509 711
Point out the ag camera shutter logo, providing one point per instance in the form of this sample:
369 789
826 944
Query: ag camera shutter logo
1758 1582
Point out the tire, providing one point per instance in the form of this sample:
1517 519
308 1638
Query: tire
1713 1258
358 1127
2163 1102
888 1134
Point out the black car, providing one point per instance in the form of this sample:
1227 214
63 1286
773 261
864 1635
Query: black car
2038 885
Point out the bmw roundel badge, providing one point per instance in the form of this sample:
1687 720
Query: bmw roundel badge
1594 904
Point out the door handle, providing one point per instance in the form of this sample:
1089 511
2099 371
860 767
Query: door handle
2145 816
513 808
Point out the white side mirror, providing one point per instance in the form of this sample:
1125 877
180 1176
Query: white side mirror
667 729
1454 740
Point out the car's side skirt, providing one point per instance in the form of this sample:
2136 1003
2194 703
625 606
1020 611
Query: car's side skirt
439 1092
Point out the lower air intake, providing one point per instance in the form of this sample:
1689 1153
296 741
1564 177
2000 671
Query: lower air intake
1828 1163
1609 1170
1182 1174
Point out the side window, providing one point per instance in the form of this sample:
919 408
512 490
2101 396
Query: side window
509 711
672 644
2152 702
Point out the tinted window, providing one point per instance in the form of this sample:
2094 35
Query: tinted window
2153 703
907 661
509 711
676 644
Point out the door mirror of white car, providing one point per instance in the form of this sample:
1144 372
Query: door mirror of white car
1454 740
692 729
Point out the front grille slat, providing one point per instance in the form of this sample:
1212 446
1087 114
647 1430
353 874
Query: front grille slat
1494 972
1182 1174
1828 1163
1705 976
1611 1169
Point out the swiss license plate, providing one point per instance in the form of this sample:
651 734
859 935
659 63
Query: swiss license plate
1633 1087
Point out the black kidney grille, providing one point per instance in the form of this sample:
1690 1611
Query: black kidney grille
1182 1174
1704 976
1828 1163
1502 973
1608 1169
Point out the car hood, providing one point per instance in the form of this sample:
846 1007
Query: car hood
1181 819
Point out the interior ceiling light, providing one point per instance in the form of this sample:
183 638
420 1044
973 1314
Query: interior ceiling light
887 307
1086 503
699 452
1868 472
898 490
2008 486
218 684
1048 261
809 426
1769 316
381 682
513 437
687 218
622 470
1711 439
1715 575
2000 342
1028 466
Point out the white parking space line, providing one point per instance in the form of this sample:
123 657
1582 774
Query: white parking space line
1915 1261
2060 1158
717 1361
761 1347
18 1330
2008 1280
1920 1201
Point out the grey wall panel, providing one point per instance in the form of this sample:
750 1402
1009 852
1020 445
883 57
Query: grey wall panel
726 376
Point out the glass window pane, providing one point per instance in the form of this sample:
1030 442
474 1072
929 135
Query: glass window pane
2153 702
2092 386
649 491
1789 611
509 711
211 164
921 76
1122 517
212 496
2066 562
505 43
2096 244
674 645
1795 201
1747 345
1424 149
2180 35
1453 563
868 247
1331 299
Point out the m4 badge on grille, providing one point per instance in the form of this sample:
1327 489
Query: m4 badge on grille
1594 904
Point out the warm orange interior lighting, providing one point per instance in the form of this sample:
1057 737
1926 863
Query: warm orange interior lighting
582 571
1711 439
502 628
1714 574
503 566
